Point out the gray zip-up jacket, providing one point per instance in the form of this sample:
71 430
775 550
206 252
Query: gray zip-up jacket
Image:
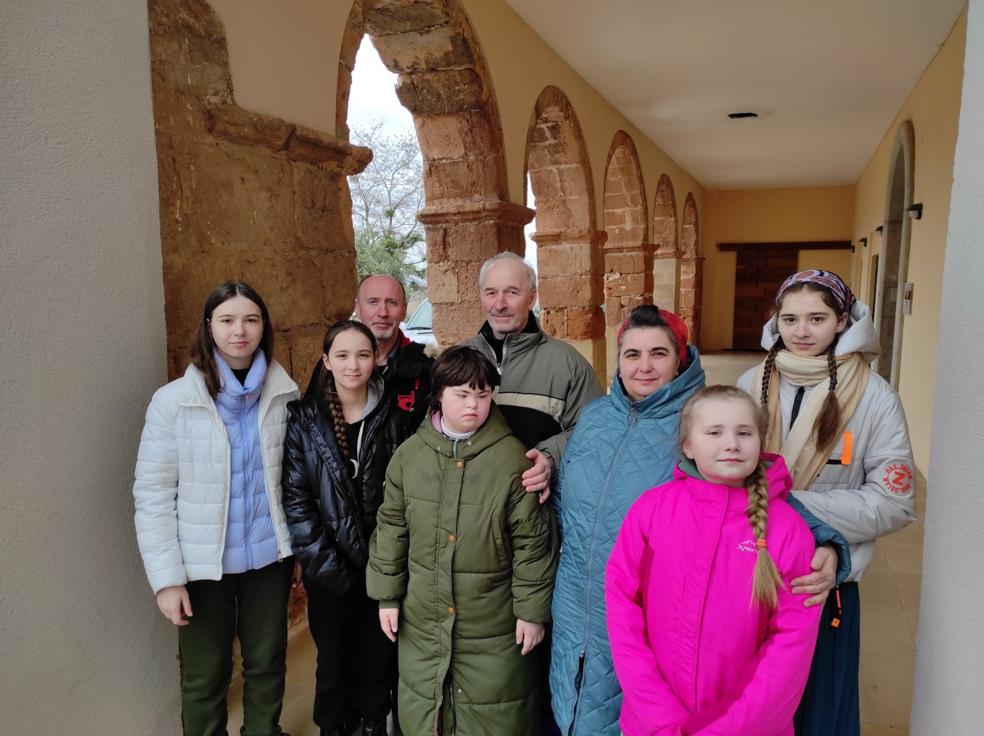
545 384
875 494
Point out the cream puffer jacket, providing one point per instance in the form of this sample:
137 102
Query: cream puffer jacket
181 491
874 493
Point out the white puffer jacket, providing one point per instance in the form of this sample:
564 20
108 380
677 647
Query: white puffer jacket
181 492
875 494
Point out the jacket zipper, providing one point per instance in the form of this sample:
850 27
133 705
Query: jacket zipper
248 518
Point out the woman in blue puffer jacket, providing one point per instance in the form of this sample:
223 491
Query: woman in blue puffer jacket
624 444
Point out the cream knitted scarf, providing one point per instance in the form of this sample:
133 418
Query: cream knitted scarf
800 450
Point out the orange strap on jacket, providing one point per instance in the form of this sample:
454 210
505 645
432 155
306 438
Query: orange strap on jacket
848 448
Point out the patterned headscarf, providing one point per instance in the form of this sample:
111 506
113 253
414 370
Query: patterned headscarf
677 326
829 280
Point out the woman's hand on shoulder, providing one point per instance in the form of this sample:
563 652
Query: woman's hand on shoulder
820 582
175 604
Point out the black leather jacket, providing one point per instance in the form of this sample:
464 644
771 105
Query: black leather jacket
330 514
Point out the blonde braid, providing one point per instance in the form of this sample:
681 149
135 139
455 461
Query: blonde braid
766 580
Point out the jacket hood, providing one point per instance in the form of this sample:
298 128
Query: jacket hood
858 337
493 431
665 400
777 475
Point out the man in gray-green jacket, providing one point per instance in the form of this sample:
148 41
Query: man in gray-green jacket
545 381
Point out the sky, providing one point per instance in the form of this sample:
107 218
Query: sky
373 98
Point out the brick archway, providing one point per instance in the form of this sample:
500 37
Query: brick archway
568 242
691 270
666 256
628 252
443 81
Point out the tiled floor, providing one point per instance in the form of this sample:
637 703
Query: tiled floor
890 605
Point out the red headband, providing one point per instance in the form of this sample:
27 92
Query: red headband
677 326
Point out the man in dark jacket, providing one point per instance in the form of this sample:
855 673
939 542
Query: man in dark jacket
381 304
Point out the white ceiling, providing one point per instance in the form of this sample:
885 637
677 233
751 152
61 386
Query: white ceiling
826 78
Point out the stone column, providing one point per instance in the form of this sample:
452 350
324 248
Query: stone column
570 293
691 288
461 235
949 677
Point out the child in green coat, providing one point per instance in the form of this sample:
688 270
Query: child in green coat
462 562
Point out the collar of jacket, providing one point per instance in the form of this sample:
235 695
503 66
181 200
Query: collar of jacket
408 360
666 400
494 430
517 342
777 476
277 383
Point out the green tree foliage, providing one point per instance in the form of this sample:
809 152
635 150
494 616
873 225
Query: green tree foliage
385 200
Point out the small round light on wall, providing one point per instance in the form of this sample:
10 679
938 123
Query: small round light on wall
742 115
915 211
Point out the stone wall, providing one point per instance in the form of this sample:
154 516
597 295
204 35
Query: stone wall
244 196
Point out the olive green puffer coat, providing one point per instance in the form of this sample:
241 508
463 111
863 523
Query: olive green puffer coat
463 551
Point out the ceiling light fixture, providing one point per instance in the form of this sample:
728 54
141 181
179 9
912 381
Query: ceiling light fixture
740 115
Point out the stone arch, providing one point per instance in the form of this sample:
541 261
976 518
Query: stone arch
893 259
666 256
628 253
691 269
444 82
243 196
568 242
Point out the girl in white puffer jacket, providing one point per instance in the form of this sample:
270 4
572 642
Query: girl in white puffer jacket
842 431
209 516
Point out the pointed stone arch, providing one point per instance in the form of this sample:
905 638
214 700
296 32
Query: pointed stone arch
628 252
691 269
444 82
568 243
666 255
893 259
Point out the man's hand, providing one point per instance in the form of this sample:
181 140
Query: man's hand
537 478
819 583
528 634
389 620
175 604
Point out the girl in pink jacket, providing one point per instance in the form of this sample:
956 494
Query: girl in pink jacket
705 635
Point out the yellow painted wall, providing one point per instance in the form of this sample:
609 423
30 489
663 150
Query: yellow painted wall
767 216
284 62
933 107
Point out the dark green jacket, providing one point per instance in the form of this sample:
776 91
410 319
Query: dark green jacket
463 551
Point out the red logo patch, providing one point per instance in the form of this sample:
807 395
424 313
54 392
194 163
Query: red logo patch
898 478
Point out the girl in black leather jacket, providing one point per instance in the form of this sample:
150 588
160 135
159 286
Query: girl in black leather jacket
339 441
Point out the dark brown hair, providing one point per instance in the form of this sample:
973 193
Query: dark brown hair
828 420
203 349
327 380
766 579
457 366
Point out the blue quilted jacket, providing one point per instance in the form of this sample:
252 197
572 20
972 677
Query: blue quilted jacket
619 449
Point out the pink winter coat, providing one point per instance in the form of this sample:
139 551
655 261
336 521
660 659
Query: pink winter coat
692 654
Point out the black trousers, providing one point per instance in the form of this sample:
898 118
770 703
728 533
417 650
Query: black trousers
356 662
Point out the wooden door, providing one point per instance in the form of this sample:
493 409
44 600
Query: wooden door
759 273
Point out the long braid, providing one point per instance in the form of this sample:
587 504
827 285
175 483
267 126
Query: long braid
828 420
770 361
337 415
766 580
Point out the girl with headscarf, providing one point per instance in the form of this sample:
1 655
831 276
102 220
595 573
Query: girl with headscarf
843 434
